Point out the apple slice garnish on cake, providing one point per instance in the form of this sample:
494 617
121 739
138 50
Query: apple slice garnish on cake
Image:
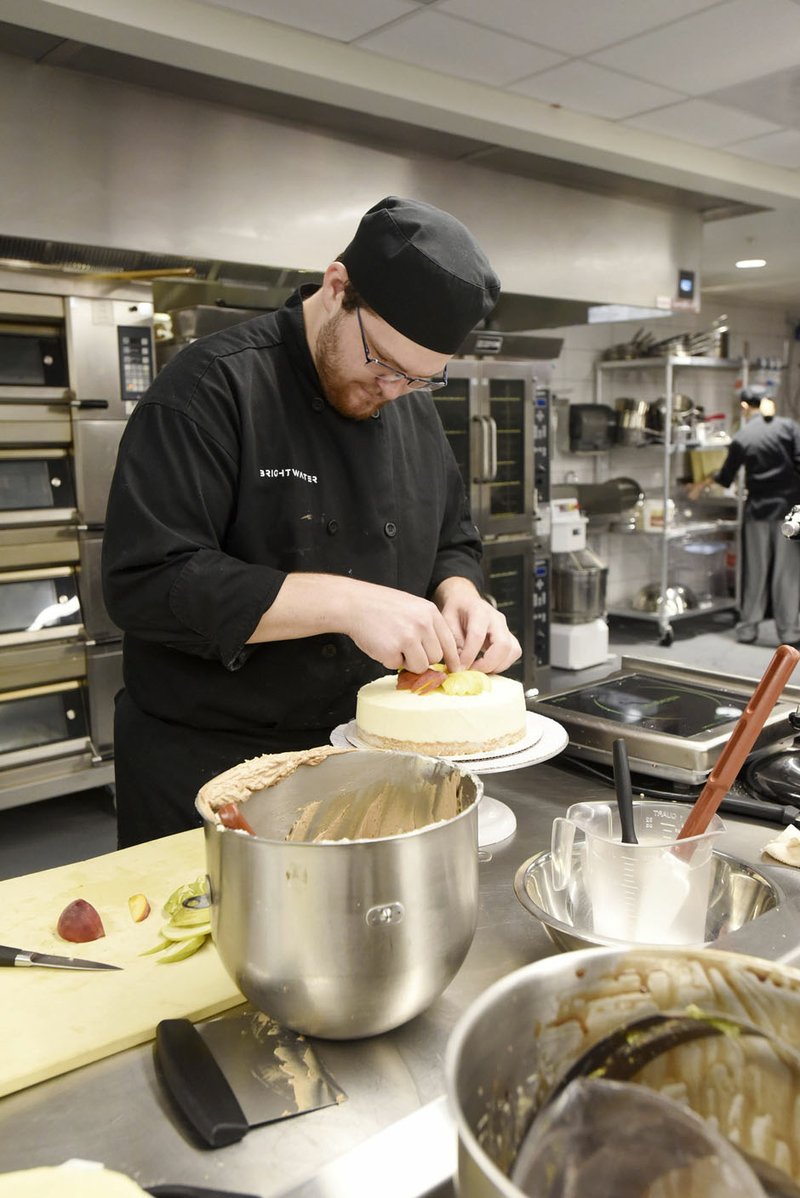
438 677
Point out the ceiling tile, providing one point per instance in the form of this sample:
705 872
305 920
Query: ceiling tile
702 123
452 47
739 39
588 88
774 97
342 20
777 149
572 26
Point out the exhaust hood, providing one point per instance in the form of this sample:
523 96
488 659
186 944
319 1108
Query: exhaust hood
219 285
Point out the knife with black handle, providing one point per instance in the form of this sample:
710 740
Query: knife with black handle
21 956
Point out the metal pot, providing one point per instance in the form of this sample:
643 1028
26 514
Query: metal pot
631 420
347 938
517 1039
684 411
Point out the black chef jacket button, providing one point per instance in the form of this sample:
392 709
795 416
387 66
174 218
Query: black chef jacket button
318 404
328 650
333 526
390 529
376 415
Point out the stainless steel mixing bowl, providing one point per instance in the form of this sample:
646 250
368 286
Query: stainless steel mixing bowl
521 1034
738 895
346 938
676 599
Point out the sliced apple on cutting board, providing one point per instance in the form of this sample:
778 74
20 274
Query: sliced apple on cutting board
55 1020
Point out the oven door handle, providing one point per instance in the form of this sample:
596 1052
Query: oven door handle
492 448
87 405
482 450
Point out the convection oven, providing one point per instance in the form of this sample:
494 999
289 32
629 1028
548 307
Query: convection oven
496 416
75 356
39 605
42 724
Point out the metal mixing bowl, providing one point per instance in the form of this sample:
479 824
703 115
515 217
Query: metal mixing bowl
521 1034
738 895
346 938
677 599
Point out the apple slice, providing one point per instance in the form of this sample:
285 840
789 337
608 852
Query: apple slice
138 907
80 923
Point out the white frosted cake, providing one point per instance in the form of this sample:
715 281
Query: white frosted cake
441 724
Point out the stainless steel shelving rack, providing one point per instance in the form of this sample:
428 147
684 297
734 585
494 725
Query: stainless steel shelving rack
672 531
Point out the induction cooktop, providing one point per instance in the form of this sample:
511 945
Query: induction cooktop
675 719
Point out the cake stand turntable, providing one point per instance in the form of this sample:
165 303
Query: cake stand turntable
544 738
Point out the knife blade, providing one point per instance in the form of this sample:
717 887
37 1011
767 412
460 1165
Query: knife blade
21 956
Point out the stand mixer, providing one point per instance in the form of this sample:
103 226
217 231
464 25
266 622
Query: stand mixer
578 630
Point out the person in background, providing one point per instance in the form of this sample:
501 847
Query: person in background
768 447
287 521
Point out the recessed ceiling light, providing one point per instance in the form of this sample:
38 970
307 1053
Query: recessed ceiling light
751 263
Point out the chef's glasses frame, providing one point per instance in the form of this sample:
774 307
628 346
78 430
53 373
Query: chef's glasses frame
392 374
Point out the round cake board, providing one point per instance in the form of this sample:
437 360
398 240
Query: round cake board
545 738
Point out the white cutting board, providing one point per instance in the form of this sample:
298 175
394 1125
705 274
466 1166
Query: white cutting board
54 1020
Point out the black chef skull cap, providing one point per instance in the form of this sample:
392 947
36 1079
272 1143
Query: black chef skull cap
422 271
753 395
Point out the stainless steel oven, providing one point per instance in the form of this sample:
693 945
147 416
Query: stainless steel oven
32 354
497 420
39 605
36 487
39 723
487 413
75 357
516 581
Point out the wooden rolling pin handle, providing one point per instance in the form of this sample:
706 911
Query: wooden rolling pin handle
231 817
741 740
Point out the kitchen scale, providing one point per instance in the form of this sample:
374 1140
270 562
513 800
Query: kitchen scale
675 719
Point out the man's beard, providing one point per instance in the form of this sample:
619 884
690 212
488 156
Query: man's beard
357 400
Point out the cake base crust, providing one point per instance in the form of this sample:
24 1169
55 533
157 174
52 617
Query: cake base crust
439 748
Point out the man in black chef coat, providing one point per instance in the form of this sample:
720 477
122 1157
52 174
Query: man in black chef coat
768 447
280 531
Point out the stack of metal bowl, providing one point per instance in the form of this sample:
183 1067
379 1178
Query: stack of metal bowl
738 894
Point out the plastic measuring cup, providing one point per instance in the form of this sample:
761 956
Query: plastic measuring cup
653 892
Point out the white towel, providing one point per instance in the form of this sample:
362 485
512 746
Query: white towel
786 847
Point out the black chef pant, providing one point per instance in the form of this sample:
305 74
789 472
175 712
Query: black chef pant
159 768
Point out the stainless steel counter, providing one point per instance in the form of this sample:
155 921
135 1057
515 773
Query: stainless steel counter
113 1111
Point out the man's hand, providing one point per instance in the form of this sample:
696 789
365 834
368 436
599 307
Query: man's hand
695 490
477 627
399 630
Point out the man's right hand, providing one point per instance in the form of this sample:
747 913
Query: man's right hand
399 630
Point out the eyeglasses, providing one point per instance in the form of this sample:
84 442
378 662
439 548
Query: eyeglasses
391 374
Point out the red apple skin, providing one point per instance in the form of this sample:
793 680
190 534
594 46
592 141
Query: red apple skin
80 923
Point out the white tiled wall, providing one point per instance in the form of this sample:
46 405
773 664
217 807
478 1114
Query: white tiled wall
765 332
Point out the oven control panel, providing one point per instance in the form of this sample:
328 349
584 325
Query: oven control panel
135 360
541 613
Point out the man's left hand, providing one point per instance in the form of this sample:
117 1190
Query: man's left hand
477 626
